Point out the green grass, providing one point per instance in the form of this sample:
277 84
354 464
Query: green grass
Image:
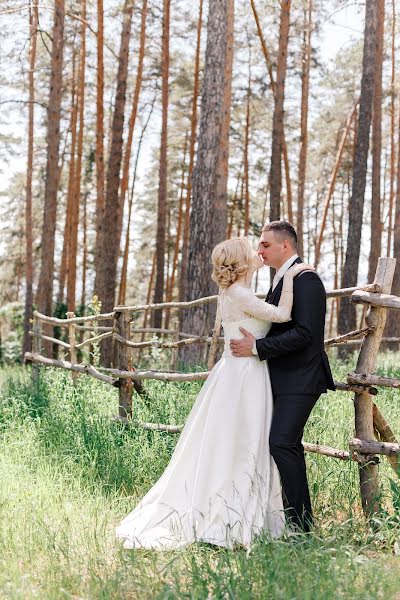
68 474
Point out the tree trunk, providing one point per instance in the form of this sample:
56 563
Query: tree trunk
220 219
393 322
99 154
392 144
124 270
45 288
28 313
132 119
197 321
305 86
193 130
246 157
347 315
162 182
109 250
273 88
76 195
275 175
376 225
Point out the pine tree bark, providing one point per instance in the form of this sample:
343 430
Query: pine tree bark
109 249
376 225
273 88
305 87
162 209
70 189
124 270
193 132
392 144
99 155
221 199
132 118
246 159
275 176
347 315
45 288
28 312
197 321
76 197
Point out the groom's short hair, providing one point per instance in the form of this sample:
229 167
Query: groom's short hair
283 231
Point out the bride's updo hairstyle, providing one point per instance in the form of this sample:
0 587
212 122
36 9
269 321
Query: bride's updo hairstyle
230 260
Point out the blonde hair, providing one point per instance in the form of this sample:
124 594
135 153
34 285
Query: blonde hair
230 260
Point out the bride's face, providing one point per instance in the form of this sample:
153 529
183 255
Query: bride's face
256 260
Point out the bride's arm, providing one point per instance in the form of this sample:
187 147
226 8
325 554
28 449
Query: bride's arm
253 306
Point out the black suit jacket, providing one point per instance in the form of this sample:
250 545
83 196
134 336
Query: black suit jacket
295 351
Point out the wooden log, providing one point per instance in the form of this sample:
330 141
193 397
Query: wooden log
50 339
340 339
359 342
379 300
374 447
122 359
373 287
64 364
36 348
366 379
174 345
384 433
66 322
345 387
72 343
366 363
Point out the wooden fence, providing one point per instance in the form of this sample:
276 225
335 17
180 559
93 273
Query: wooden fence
373 434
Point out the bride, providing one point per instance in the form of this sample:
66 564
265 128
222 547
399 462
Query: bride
222 485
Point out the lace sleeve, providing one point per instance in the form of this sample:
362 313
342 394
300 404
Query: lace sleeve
248 302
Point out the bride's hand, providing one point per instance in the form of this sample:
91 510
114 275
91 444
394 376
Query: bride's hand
299 268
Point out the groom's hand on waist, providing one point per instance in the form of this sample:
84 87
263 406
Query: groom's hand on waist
244 346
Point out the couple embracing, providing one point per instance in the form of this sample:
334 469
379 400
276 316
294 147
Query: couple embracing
238 469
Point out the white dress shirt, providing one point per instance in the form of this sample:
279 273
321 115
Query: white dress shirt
282 270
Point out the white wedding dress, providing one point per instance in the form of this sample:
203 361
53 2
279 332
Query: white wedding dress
221 485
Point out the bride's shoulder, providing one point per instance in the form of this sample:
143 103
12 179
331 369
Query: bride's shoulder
238 290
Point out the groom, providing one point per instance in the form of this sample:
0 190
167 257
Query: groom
298 365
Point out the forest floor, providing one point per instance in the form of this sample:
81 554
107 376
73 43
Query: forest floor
68 474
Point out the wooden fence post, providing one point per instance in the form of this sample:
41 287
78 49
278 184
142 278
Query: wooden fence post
175 338
36 347
123 362
72 343
363 404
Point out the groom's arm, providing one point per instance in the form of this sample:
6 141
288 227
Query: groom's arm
308 304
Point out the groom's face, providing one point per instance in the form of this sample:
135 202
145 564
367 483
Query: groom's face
273 250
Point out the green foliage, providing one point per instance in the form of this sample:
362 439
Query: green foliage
12 329
69 473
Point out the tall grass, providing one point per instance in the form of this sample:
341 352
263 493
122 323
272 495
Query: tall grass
69 473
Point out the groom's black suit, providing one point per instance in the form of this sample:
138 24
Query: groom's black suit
300 372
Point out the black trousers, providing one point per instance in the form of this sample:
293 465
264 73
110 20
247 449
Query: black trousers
290 416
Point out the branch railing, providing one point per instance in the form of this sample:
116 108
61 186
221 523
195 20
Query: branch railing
364 448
